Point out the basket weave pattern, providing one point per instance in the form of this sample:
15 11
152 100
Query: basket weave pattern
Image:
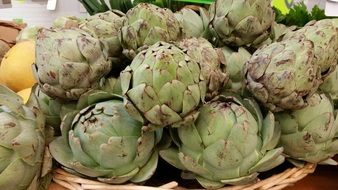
275 182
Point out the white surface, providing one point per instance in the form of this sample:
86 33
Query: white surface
35 12
51 5
331 8
311 3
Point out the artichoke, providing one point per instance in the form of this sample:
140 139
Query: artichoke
277 33
106 27
329 85
194 24
112 85
283 74
213 69
310 134
28 33
146 24
163 85
324 36
229 143
66 22
22 142
53 109
241 22
235 61
99 139
69 62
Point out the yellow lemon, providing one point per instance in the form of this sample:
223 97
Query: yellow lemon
16 67
24 94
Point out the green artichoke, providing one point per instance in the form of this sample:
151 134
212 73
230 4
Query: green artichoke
324 36
163 85
99 139
28 33
241 22
277 33
112 85
213 69
66 22
330 86
194 24
283 74
22 142
106 27
146 24
53 109
229 143
69 62
235 61
310 134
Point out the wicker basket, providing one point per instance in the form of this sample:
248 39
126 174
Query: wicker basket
275 182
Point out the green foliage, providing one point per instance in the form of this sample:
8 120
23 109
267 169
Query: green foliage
95 6
299 15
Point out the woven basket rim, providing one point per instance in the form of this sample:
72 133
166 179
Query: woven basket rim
275 182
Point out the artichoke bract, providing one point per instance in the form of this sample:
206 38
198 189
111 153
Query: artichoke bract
66 22
99 139
112 85
53 109
235 61
69 62
163 85
310 134
194 24
229 143
213 70
278 31
146 24
324 35
241 22
106 27
28 33
283 74
22 142
330 86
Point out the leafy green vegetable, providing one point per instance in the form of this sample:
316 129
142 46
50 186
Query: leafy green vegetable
299 15
317 13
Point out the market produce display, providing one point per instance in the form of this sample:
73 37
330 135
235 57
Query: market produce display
221 92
